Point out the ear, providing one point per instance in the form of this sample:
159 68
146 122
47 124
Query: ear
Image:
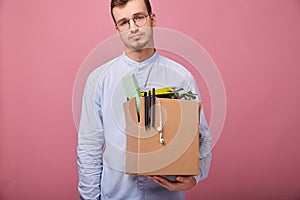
153 19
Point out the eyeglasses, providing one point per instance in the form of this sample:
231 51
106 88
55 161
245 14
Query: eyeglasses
139 20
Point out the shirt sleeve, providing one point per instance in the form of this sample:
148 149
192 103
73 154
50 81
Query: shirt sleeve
205 148
205 138
90 142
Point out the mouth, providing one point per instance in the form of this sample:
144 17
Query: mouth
135 36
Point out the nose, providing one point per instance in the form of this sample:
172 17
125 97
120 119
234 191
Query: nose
132 25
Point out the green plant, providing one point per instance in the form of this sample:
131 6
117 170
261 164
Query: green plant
180 94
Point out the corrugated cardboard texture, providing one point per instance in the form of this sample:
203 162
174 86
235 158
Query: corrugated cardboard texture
179 155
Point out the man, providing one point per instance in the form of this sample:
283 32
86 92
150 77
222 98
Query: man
101 136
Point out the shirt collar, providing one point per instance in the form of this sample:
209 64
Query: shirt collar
139 64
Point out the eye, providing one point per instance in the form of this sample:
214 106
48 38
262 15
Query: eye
122 23
139 17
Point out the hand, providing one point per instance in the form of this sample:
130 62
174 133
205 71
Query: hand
181 183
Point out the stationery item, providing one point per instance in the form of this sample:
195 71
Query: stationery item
149 109
153 107
132 89
159 128
146 109
166 92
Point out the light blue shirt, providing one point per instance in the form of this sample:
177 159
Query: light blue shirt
102 138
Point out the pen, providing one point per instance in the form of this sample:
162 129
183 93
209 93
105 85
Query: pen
153 107
145 105
149 108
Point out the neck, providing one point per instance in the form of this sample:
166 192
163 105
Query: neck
140 55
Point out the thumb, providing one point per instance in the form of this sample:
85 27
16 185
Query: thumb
179 178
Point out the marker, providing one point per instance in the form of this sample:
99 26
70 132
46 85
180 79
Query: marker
146 107
149 108
153 107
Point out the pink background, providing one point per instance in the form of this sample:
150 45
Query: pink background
256 45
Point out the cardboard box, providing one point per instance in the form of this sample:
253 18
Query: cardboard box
179 154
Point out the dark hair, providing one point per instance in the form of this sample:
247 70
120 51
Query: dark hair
116 3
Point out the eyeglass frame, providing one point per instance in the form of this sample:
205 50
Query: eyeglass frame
132 18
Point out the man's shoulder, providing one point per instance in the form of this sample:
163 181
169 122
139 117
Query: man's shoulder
100 71
167 59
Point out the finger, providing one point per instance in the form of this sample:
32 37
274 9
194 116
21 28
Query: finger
154 179
179 178
189 181
160 183
163 182
161 179
183 178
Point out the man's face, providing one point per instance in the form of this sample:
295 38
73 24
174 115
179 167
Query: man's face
136 37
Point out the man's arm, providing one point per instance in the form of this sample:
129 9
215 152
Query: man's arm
205 148
204 137
90 142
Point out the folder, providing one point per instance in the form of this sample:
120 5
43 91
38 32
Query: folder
132 89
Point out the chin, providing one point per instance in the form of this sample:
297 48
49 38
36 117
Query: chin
138 46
